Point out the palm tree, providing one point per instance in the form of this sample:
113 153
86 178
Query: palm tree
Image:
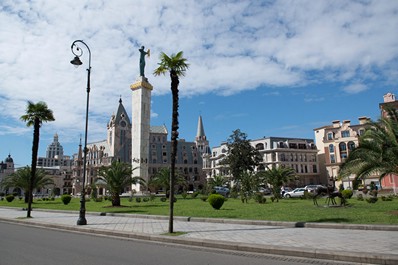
21 179
377 151
162 179
217 180
276 177
35 115
116 177
176 65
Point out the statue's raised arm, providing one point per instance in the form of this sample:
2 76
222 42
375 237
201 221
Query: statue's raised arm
142 60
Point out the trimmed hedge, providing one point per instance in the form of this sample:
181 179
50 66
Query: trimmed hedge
216 201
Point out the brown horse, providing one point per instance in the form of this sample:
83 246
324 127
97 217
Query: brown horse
331 195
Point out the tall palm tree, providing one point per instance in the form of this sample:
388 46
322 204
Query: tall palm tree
35 115
176 65
276 177
377 151
21 179
116 177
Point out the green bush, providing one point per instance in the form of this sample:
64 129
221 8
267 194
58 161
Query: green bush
152 197
184 195
372 200
347 194
137 199
360 197
10 198
2 194
194 194
98 199
163 199
204 197
66 198
145 199
258 197
387 199
216 201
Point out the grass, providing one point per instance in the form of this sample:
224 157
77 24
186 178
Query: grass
294 210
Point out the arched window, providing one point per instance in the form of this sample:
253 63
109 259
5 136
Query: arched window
351 146
342 147
260 146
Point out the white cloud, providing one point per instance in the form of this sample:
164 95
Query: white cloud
355 88
231 47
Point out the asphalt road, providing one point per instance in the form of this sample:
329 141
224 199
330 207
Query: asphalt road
25 245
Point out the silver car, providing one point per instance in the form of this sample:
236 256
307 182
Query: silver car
296 193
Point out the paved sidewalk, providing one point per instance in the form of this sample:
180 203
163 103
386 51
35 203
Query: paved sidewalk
352 243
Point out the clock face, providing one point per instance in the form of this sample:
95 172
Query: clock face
123 123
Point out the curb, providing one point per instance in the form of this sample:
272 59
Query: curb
345 256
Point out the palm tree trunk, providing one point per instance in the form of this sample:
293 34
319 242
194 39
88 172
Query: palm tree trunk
174 138
116 200
35 148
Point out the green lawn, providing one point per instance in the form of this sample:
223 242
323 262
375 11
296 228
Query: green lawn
296 210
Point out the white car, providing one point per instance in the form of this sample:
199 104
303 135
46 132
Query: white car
296 193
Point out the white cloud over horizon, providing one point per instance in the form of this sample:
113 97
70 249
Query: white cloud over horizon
231 46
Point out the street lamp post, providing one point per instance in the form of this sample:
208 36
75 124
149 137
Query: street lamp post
77 51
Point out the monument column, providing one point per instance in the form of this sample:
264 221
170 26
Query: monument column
140 123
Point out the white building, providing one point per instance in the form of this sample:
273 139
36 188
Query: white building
299 154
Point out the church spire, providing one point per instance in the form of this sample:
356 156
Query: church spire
200 134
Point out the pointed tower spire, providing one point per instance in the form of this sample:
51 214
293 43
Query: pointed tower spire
201 131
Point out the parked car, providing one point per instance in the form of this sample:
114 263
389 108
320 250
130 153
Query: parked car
284 190
296 193
222 190
312 188
265 191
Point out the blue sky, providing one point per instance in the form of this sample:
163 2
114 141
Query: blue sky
269 68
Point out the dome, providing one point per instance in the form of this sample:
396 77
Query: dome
9 159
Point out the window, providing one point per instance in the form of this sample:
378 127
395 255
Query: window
342 147
351 146
293 145
361 131
314 169
345 134
332 159
260 146
331 148
330 136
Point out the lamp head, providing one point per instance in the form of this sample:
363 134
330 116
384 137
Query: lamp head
76 61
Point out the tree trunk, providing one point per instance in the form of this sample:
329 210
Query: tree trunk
116 200
35 148
174 138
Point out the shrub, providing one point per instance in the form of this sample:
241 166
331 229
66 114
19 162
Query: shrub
10 198
234 195
137 199
145 199
184 195
152 197
258 197
372 200
204 197
2 194
194 194
163 199
360 197
216 201
387 199
373 193
66 198
98 199
347 194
